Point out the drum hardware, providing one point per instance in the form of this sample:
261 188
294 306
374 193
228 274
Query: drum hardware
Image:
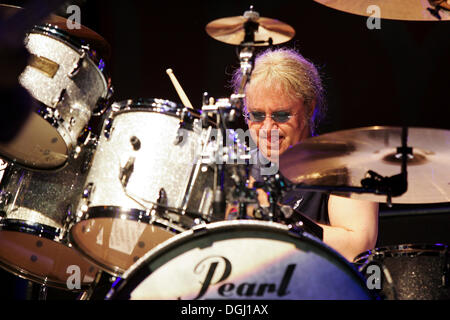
43 291
252 31
126 172
5 198
77 67
336 162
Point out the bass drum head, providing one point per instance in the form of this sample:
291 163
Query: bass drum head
38 146
241 260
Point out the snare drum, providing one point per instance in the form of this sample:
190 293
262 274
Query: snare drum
70 85
408 272
238 260
35 210
144 185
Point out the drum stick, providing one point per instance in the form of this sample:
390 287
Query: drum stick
180 91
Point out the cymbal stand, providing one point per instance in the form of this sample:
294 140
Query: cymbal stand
226 111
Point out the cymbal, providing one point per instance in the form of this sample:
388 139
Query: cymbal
231 30
91 37
343 158
411 10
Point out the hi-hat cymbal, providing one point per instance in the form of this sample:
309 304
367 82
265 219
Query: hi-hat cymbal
231 30
343 158
411 10
91 37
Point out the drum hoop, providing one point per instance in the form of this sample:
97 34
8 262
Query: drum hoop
26 275
34 229
76 44
42 231
157 105
203 230
136 215
402 250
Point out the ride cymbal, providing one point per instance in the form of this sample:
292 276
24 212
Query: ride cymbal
232 30
411 10
343 159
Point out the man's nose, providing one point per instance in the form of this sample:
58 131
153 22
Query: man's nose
269 124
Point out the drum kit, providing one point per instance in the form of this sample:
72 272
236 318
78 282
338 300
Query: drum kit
143 198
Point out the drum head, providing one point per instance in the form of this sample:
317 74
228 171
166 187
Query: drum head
43 260
38 146
115 242
241 260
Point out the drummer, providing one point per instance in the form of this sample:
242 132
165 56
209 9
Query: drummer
285 97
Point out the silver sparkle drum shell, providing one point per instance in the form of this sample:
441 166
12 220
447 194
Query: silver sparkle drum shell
409 271
35 209
240 260
118 223
69 83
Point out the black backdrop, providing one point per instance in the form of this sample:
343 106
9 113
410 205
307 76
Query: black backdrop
398 75
395 76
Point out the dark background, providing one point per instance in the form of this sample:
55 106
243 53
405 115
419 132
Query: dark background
395 76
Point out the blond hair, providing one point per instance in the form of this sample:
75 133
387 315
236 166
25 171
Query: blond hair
297 77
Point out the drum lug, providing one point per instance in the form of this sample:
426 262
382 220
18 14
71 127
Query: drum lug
87 161
77 67
87 192
199 228
5 197
108 127
69 219
84 202
103 103
126 171
181 132
59 98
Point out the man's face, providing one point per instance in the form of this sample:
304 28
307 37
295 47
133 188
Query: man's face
266 100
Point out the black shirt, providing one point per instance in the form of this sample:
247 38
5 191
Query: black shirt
313 205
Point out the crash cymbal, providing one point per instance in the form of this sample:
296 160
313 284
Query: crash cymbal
411 10
231 30
343 158
95 41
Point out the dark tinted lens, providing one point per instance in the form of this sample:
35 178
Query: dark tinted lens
257 116
282 116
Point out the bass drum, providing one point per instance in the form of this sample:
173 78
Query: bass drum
241 259
409 271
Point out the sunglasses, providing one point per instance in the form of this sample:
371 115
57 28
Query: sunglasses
279 116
